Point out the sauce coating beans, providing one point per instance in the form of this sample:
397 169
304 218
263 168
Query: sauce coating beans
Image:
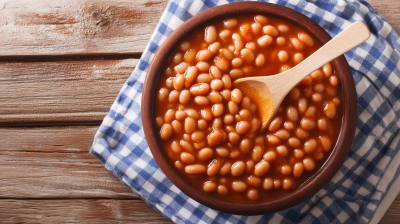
210 130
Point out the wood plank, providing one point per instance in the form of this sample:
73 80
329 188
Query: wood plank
60 91
53 162
392 215
390 9
79 211
74 27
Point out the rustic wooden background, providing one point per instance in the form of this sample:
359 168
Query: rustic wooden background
62 64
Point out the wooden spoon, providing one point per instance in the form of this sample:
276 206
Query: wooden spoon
269 91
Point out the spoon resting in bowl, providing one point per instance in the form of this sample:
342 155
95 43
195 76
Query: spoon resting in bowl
269 91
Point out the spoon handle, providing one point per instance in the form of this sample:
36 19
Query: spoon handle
349 38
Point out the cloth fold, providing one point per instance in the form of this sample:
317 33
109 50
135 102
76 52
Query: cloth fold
354 194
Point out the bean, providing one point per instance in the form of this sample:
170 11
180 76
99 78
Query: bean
245 31
233 137
159 121
275 124
247 55
294 94
306 82
261 19
225 169
298 153
221 63
316 97
310 112
181 68
192 113
268 183
184 97
245 114
226 94
217 123
200 89
322 124
186 145
257 153
256 28
218 109
176 126
169 116
214 47
215 72
216 84
302 104
203 66
237 62
310 145
298 170
177 58
249 166
264 41
238 42
233 108
239 186
180 115
236 96
170 82
280 41
201 100
298 57
215 97
252 194
309 164
294 142
283 56
319 88
224 34
184 45
190 125
301 133
282 134
187 157
317 75
235 73
242 127
209 186
270 31
326 143
198 136
287 184
214 167
179 82
228 119
166 131
288 125
245 145
327 68
333 80
179 165
210 34
272 139
261 168
163 94
307 124
318 155
202 124
331 91
230 23
254 181
291 113
223 152
277 183
306 39
203 78
203 55
186 137
286 170
237 168
235 154
269 156
176 148
283 28
297 44
330 109
260 60
222 190
195 169
284 68
282 150
215 137
254 126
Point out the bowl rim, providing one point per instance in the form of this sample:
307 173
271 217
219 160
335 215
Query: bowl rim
309 187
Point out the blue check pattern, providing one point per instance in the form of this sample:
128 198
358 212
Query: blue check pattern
355 192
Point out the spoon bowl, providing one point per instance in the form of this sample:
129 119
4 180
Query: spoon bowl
269 91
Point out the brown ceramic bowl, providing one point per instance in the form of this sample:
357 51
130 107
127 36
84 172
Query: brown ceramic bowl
308 188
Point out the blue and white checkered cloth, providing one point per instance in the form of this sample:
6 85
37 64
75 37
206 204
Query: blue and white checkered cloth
365 185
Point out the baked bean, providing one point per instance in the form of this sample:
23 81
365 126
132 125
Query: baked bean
187 157
235 154
169 116
297 44
288 125
249 166
256 28
199 145
306 82
286 170
203 66
159 121
210 34
309 164
223 152
264 41
291 113
327 68
190 125
186 145
252 194
176 126
239 186
189 57
301 133
226 53
269 156
236 73
242 127
226 80
282 150
283 28
202 124
203 55
163 94
298 153
237 168
179 165
273 139
238 42
181 68
316 97
203 78
166 131
331 91
228 119
184 45
180 115
298 57
247 55
201 100
224 34
170 82
319 88
245 145
277 184
317 75
245 114
283 56
192 113
236 96
280 41
214 47
195 169
333 80
310 145
213 167
310 112
282 134
275 124
179 81
225 169
217 123
307 124
226 94
268 183
209 186
233 108
270 31
259 140
261 168
294 142
257 153
237 62
298 170
318 155
221 63
230 23
222 190
287 184
215 137
294 94
200 89
184 96
306 39
284 68
330 109
215 97
261 19
216 84
302 104
260 60
198 136
233 137
218 109
254 181
325 142
251 46
322 124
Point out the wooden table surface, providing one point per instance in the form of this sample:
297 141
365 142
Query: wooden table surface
62 64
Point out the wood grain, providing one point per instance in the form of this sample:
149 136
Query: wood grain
63 91
65 27
392 215
54 163
390 9
78 211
